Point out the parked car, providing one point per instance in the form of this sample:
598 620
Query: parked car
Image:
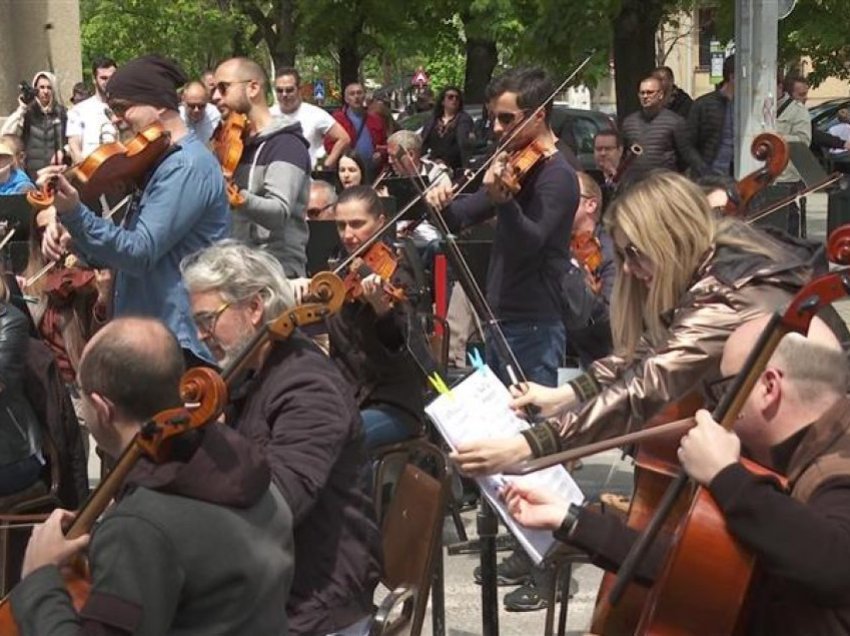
577 127
824 116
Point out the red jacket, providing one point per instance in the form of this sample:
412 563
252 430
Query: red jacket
374 125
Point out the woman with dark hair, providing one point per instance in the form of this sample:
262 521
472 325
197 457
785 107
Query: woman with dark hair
369 337
350 170
447 135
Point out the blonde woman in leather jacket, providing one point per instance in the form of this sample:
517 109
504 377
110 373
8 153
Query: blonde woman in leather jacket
686 279
20 455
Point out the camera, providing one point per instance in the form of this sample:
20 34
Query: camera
27 93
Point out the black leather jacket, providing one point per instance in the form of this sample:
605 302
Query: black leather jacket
19 427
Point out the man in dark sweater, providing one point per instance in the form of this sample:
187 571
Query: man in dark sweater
294 404
661 134
675 98
159 558
530 251
795 421
711 126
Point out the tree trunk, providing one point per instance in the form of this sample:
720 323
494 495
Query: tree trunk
481 59
283 52
634 49
349 61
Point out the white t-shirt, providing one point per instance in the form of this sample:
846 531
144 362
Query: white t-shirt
204 128
88 121
315 124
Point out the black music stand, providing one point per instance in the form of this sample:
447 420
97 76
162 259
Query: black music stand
16 211
322 244
404 190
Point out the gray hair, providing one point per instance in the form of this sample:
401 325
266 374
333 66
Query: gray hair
812 368
407 140
330 191
238 272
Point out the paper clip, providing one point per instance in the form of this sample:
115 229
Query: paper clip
475 359
439 384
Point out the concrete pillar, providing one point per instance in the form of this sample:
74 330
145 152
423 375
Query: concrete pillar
27 46
756 41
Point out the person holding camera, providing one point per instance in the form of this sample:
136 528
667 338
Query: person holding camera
39 121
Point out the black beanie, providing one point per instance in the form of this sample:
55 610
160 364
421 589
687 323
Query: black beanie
151 80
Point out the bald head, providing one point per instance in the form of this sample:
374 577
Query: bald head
136 363
246 69
195 98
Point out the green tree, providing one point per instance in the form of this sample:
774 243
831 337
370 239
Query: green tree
197 33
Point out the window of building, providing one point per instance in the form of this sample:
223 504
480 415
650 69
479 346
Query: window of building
707 33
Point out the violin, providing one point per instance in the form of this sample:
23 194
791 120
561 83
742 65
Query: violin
110 168
519 164
228 144
587 249
378 259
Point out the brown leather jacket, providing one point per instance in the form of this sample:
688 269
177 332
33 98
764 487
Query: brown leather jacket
730 288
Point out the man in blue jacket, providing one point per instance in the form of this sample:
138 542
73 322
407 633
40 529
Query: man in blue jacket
181 208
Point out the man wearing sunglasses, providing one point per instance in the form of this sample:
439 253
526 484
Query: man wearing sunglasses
197 113
180 208
273 174
317 125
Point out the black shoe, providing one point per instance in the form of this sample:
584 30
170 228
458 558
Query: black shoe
525 599
514 569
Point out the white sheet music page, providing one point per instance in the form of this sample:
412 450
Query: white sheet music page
479 408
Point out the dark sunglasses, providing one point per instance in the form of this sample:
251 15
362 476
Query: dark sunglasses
285 90
312 213
195 106
630 253
506 119
223 86
119 108
452 96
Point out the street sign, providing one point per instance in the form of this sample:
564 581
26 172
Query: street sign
319 90
718 54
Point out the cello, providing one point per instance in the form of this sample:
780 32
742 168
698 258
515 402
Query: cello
205 394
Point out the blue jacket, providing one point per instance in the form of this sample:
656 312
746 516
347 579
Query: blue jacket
183 208
17 183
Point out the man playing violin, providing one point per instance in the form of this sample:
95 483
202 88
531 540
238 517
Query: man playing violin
795 421
159 556
273 174
530 252
181 207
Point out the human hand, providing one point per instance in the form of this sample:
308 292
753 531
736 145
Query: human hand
55 241
707 449
439 195
300 288
374 294
497 192
488 456
48 545
534 507
103 285
549 400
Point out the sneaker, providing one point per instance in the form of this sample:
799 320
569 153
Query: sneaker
514 569
525 599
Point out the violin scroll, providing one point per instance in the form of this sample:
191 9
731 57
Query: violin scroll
838 245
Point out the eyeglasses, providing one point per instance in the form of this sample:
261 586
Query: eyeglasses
716 389
313 213
633 255
223 86
285 90
119 108
452 96
207 320
506 119
195 106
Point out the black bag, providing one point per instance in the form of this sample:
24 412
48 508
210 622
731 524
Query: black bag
585 317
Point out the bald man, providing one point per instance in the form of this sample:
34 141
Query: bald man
795 421
197 113
273 174
158 555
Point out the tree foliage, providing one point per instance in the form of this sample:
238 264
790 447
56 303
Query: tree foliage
194 32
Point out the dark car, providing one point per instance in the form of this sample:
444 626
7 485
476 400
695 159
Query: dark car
824 116
575 126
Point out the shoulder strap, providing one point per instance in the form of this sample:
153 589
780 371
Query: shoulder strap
819 472
783 106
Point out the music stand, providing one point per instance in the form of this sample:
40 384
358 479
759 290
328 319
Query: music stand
404 191
17 212
811 172
321 245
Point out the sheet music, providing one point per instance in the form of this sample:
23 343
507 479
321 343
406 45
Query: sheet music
479 408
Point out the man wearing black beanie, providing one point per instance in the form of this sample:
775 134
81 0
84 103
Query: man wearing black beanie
181 207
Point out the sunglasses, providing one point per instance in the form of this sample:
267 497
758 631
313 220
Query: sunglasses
223 86
284 90
452 96
313 213
631 254
119 108
195 106
506 119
